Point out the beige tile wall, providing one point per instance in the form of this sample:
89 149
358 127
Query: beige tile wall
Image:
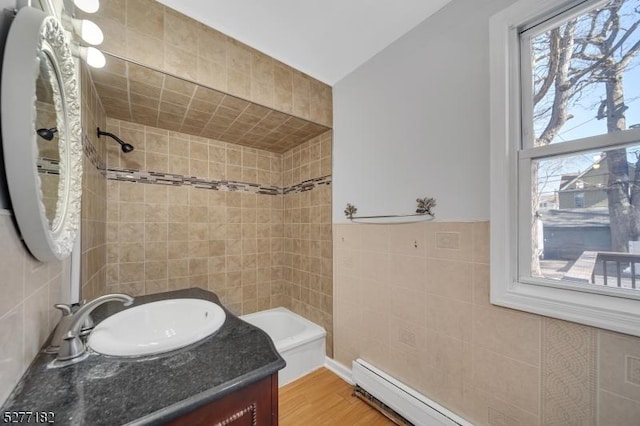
165 238
29 290
169 237
94 195
163 151
255 251
310 160
421 312
308 255
157 36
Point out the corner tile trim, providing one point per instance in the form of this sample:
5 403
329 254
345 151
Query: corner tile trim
216 185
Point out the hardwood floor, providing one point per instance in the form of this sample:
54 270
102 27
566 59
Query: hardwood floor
322 398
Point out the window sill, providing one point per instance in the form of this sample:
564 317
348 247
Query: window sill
607 312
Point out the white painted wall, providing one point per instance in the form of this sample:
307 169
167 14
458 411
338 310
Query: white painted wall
413 121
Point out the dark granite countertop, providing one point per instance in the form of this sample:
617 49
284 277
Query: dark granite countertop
110 391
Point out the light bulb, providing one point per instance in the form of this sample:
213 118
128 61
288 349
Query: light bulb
87 30
90 32
88 6
93 57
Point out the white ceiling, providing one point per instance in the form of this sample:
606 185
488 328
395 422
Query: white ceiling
326 39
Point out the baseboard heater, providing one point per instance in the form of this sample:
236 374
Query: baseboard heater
400 403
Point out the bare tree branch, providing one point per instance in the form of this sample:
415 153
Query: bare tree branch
554 44
559 114
629 55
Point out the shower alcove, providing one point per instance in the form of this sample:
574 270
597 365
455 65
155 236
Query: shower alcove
219 193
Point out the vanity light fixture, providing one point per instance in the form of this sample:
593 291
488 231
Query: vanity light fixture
88 6
88 31
92 56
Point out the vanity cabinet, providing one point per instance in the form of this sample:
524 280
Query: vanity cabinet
229 378
254 405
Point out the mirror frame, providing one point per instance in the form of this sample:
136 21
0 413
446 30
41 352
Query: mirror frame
32 34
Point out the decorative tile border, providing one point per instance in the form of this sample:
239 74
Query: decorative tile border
216 185
307 185
129 175
569 359
92 154
48 166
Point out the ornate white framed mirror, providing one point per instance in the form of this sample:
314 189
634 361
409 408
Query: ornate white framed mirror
41 134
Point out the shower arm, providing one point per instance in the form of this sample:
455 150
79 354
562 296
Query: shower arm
111 135
126 147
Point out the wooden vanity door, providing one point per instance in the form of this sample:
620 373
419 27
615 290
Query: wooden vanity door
255 405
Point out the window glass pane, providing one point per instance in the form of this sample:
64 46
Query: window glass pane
586 75
586 218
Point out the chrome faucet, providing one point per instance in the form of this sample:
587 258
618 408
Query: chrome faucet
71 346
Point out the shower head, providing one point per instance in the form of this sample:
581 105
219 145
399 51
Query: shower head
47 134
123 145
127 147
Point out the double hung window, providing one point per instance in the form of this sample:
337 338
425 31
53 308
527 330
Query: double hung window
565 130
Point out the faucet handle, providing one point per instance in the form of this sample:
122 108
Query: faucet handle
65 309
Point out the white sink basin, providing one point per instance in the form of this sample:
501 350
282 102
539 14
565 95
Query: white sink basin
156 327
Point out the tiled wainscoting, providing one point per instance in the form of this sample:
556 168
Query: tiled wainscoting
29 290
414 301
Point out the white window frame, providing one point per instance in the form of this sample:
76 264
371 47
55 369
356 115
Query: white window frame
612 309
